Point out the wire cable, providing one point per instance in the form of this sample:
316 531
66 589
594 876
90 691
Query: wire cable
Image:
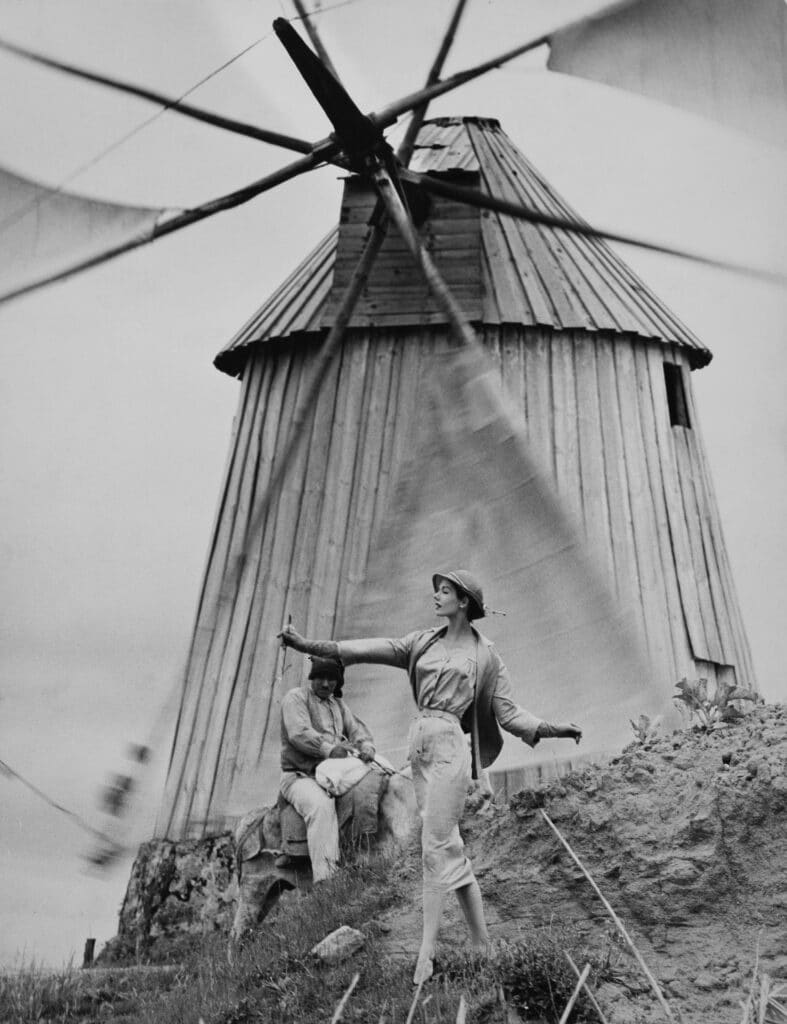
75 818
142 92
15 215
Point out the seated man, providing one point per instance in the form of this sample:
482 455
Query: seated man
317 724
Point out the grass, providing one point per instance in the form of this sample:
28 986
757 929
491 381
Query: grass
273 978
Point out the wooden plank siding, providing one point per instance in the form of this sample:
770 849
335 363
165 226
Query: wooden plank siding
396 292
594 409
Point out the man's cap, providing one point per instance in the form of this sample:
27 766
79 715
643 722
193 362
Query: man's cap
469 585
327 668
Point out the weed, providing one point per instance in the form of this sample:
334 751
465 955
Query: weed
710 712
645 728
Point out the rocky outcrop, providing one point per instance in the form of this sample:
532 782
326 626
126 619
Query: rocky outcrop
175 889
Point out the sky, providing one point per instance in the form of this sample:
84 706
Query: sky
115 426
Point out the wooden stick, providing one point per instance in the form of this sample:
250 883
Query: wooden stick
570 1005
411 1014
186 109
480 200
442 293
314 37
405 150
185 218
337 1016
389 114
324 359
461 1013
618 923
588 990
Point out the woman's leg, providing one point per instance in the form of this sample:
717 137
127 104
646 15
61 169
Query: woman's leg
440 764
472 905
434 900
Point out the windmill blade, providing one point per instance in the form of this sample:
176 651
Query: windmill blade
357 133
721 59
186 109
314 37
235 577
388 115
483 201
405 150
44 230
471 493
328 351
161 228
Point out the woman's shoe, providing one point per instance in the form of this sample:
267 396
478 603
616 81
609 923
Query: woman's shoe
424 969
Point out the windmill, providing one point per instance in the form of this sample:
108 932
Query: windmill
389 172
275 552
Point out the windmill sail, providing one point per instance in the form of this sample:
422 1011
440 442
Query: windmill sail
470 494
44 231
723 59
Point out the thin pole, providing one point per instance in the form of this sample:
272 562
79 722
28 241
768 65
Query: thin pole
588 990
405 150
178 221
337 1016
473 197
389 114
618 923
186 109
321 366
578 988
314 37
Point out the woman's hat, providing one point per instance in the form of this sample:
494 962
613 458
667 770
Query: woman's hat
469 585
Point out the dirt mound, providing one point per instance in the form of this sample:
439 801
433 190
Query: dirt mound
685 834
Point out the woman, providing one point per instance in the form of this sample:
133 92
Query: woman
460 685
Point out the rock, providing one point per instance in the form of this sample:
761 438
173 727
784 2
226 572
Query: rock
623 1013
707 981
679 872
339 945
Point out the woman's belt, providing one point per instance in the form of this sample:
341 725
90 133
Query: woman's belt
435 713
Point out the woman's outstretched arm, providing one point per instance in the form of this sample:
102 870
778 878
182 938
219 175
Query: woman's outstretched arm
378 650
290 637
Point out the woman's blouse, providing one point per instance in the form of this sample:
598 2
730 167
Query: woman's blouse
446 682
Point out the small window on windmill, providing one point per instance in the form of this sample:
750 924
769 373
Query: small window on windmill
676 396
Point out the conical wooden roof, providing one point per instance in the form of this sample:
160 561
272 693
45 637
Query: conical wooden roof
517 273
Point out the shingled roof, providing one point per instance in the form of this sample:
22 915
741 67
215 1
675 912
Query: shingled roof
515 272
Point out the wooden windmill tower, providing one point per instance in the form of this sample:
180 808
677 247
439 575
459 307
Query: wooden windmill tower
598 372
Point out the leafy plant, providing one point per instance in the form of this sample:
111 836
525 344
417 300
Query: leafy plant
711 712
645 727
767 1002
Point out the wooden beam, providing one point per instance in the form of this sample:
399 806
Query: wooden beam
314 37
405 150
186 109
357 133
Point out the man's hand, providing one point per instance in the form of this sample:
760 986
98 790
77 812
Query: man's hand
367 752
338 751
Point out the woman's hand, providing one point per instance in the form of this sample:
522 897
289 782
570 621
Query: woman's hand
367 752
290 637
570 731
